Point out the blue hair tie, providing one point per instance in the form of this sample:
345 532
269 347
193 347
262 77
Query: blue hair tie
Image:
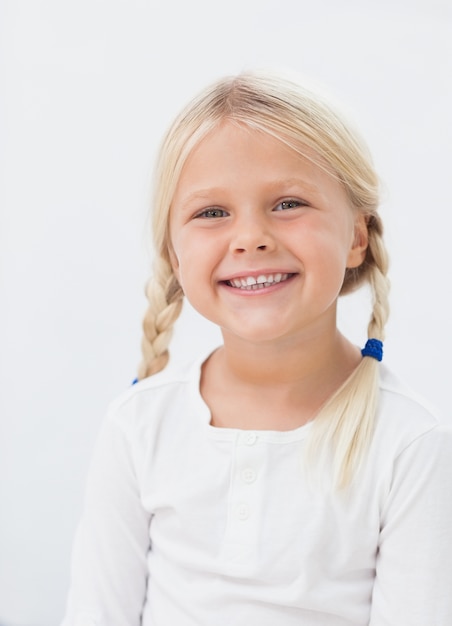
373 348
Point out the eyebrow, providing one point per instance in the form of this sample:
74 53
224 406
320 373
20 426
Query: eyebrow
209 192
293 182
202 194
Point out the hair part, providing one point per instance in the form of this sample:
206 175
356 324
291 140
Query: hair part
308 124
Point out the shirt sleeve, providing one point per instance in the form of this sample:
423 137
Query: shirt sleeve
413 585
109 561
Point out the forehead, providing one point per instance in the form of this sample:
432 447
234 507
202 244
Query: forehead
233 137
234 154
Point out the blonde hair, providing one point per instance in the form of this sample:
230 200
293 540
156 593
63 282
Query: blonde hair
302 120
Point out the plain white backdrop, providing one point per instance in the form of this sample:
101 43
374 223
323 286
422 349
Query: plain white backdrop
88 89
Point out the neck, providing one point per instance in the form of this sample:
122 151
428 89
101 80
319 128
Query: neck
287 362
268 386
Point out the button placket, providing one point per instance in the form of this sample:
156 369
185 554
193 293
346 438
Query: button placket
248 459
240 547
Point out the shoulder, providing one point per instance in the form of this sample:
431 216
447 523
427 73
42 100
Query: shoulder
412 440
170 394
164 383
404 416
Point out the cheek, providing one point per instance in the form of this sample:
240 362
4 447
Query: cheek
185 259
325 253
326 240
179 246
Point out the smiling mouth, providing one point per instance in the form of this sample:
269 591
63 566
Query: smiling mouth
252 283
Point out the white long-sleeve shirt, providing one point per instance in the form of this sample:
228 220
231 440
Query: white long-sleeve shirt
186 524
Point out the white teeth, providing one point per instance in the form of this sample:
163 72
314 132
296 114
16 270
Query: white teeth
252 283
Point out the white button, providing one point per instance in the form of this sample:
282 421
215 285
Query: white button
248 475
243 512
250 439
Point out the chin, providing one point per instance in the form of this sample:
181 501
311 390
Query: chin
253 335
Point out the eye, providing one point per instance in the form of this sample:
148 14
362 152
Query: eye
291 203
212 212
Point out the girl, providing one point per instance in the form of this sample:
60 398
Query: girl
287 478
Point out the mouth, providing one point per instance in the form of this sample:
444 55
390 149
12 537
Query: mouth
253 283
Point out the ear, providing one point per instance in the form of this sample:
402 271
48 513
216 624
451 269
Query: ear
357 252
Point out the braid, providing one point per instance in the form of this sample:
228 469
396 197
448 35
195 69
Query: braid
379 282
165 303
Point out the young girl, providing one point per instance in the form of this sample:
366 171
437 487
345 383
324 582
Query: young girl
287 478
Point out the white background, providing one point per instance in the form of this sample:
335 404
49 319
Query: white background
88 88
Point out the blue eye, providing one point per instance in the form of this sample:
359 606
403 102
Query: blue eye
289 204
212 213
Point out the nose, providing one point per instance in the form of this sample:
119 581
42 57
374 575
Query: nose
251 235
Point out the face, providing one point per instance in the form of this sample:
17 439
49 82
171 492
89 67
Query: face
261 237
